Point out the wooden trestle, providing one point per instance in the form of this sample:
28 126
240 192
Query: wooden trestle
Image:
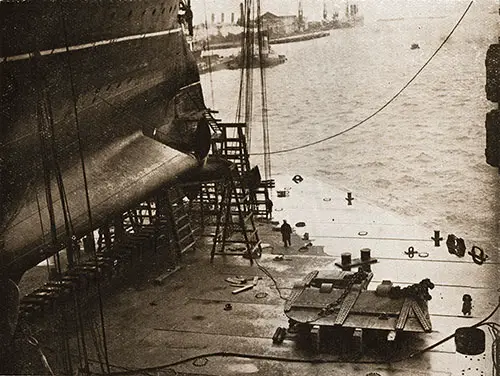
222 197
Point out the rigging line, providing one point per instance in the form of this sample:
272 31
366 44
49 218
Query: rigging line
41 227
43 134
263 94
245 76
78 336
241 59
392 99
68 224
85 182
65 211
94 337
209 57
249 65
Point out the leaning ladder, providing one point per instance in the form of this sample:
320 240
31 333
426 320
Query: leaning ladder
183 237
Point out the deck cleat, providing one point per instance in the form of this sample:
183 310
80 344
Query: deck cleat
478 258
437 238
349 198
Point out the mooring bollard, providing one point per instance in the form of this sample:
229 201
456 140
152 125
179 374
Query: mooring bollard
437 238
365 254
349 198
346 261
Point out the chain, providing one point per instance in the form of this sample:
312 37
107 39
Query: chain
355 278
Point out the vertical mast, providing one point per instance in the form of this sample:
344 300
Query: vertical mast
300 18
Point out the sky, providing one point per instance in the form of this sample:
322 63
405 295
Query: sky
371 9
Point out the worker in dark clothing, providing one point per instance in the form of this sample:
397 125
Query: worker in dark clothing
269 208
467 305
186 16
286 232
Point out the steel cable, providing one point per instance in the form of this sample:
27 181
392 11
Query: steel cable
380 109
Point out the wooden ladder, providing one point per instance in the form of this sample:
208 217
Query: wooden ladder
183 238
260 197
235 224
231 144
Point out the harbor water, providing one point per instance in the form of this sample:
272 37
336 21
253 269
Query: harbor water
422 156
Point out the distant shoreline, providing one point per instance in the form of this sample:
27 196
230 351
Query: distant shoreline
279 40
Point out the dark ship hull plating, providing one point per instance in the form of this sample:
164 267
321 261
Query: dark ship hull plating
96 81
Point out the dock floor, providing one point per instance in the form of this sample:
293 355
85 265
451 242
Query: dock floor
182 328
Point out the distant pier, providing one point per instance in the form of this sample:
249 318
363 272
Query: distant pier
300 37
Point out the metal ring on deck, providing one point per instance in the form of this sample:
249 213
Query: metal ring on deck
411 252
363 233
200 362
261 295
297 179
423 254
327 199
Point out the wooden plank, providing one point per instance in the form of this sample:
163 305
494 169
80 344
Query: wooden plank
423 317
369 302
403 316
297 290
160 279
314 299
346 306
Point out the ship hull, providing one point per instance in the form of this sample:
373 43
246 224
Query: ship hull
93 74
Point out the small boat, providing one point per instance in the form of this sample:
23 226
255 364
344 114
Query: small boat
266 58
269 59
212 62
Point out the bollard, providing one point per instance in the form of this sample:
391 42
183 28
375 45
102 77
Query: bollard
437 238
365 254
346 260
349 198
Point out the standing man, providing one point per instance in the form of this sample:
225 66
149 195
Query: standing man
269 208
286 232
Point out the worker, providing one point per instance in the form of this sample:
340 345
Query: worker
186 15
286 232
467 305
269 208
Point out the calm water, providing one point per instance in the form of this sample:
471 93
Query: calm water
423 156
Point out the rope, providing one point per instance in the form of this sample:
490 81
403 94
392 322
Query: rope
85 181
263 96
303 146
480 323
287 359
209 57
268 273
245 98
